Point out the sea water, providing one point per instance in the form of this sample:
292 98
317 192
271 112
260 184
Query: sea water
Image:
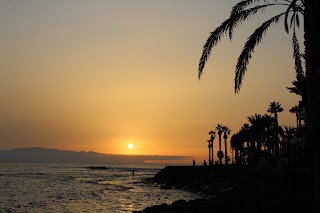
47 187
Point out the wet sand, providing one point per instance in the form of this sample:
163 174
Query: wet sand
229 188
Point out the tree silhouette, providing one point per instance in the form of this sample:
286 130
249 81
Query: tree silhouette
312 98
310 9
236 143
275 108
297 110
210 146
219 128
226 132
220 155
245 10
289 133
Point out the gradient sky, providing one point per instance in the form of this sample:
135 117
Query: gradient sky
96 75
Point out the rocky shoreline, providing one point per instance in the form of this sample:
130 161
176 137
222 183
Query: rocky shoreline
230 188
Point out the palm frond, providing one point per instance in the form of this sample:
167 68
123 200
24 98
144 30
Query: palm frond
220 31
247 50
292 21
236 18
294 90
242 6
297 20
297 56
292 4
299 85
212 40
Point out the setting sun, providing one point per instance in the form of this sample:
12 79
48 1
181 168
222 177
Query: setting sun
130 146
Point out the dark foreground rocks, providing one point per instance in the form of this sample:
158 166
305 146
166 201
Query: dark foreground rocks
229 188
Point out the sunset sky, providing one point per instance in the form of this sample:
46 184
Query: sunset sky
97 75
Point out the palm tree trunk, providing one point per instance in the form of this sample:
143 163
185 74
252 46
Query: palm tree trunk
209 152
220 160
248 153
226 151
276 136
253 153
212 154
312 52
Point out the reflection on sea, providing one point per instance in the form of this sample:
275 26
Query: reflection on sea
75 188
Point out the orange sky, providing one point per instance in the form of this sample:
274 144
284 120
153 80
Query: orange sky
97 75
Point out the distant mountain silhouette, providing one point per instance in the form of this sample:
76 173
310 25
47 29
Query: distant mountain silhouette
38 154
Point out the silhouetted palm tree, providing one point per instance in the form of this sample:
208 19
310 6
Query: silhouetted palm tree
271 132
209 147
226 132
236 144
219 128
259 124
243 11
289 133
299 87
310 10
312 98
275 108
212 137
297 110
245 133
220 155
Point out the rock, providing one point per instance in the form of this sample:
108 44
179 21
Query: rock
236 189
156 208
165 186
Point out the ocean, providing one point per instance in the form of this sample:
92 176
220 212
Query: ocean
63 187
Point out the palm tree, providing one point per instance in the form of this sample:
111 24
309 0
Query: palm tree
210 146
256 129
220 155
312 98
310 11
289 133
297 110
245 10
271 132
219 128
236 144
259 125
299 87
275 108
226 132
245 133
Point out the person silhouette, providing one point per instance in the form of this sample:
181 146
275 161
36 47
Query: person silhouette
204 163
193 162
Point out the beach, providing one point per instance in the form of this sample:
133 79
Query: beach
231 188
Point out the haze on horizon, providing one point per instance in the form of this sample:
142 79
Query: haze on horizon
99 75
